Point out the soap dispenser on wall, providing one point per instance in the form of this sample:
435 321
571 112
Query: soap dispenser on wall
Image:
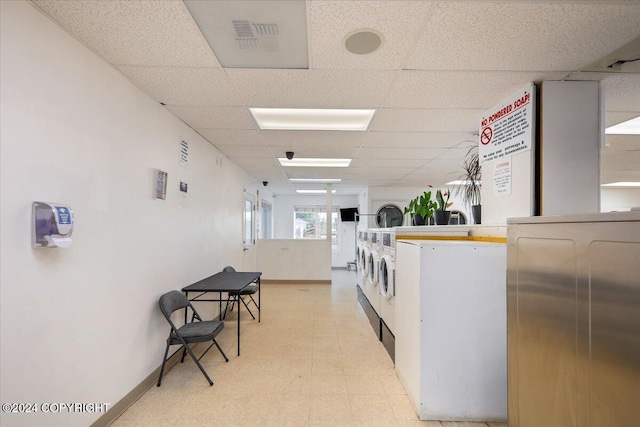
52 225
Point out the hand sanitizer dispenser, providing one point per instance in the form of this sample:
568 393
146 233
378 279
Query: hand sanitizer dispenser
52 225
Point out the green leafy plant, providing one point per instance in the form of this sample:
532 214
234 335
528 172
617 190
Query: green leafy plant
443 203
421 205
469 189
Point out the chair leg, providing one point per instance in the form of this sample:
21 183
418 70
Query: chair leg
184 352
164 361
248 309
226 359
193 356
224 316
254 302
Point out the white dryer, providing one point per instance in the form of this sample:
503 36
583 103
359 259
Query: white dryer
368 294
387 290
372 269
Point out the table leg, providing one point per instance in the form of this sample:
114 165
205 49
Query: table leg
186 294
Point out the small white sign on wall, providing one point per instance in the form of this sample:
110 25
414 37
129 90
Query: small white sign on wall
184 153
502 177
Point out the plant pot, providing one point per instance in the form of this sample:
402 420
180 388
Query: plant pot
442 217
476 211
419 220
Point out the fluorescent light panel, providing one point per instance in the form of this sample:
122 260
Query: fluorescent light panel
622 184
317 163
315 180
630 127
314 191
312 119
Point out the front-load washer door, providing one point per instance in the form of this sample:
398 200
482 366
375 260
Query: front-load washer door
386 278
373 268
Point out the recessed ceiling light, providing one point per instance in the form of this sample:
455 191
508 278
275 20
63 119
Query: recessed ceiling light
363 41
315 163
314 191
312 119
630 127
315 180
622 184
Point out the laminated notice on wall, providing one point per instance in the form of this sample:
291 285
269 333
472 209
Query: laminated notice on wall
507 128
184 153
502 178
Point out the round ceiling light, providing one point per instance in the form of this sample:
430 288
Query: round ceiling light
363 41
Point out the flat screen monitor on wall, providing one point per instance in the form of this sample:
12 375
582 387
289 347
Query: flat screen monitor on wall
348 214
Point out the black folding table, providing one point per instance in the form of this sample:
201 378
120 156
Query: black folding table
225 282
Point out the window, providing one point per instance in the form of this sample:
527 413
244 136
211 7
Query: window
310 222
248 220
266 219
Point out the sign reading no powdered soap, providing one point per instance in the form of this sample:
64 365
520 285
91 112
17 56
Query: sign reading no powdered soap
507 128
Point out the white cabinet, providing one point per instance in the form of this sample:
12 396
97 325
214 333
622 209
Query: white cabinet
451 333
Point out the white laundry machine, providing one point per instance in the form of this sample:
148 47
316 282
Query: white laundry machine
369 300
451 339
387 290
371 284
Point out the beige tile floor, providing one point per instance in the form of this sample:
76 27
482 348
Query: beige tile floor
312 361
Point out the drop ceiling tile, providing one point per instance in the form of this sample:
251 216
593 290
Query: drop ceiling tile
614 117
234 151
621 142
456 154
317 152
398 171
621 90
558 36
214 117
427 120
458 89
400 153
311 88
387 163
232 137
134 32
417 139
183 85
267 171
400 23
313 138
254 161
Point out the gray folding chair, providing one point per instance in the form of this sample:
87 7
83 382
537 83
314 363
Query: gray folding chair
238 296
197 330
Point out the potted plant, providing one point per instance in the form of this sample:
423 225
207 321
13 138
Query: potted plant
442 215
470 186
421 208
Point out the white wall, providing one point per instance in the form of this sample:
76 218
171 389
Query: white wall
283 222
289 259
619 199
82 324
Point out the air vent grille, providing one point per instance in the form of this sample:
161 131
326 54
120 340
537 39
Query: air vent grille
256 36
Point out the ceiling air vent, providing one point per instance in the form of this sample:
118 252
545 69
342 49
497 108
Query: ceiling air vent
256 36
